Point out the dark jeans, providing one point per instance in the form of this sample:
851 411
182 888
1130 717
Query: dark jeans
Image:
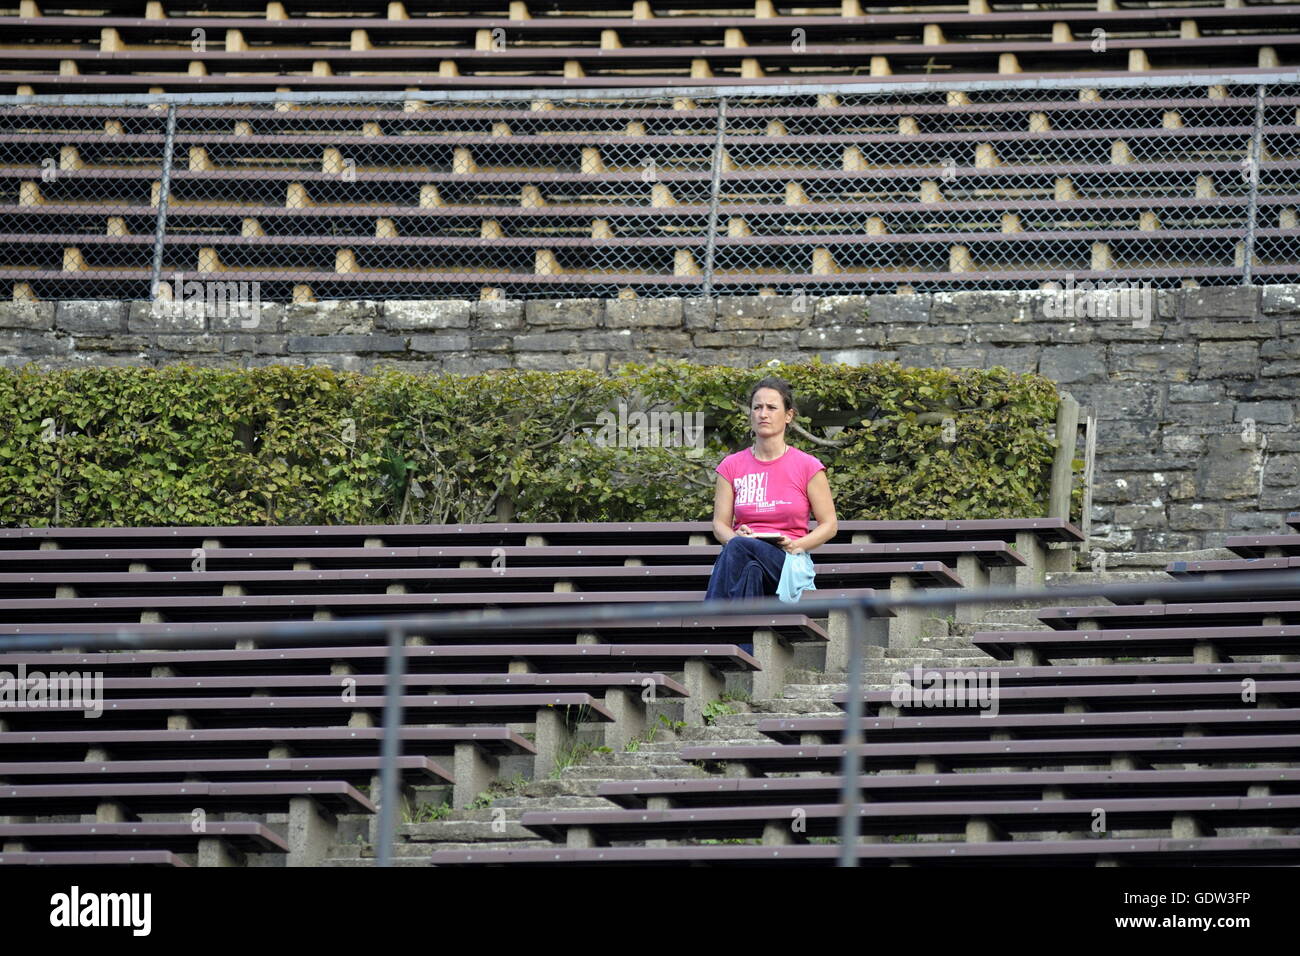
746 568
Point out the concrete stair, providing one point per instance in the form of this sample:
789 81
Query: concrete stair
808 693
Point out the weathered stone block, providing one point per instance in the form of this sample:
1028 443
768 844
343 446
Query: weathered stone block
165 317
1280 298
439 343
1229 469
1228 360
564 313
828 338
706 340
1072 364
189 343
498 315
642 313
330 317
1221 302
347 343
419 315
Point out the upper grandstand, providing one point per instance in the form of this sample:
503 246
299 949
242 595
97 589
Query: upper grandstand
129 46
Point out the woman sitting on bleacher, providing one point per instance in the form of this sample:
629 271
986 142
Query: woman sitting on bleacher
769 488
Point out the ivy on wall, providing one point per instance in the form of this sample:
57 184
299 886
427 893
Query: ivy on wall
283 445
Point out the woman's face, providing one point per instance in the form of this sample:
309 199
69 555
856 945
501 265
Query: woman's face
767 413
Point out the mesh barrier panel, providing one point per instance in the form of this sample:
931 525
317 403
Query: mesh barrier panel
608 195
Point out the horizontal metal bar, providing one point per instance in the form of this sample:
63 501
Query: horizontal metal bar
1286 582
857 88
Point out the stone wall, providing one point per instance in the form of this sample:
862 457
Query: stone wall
1196 408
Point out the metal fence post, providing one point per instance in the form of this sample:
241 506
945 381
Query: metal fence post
1252 210
395 677
160 224
850 764
715 189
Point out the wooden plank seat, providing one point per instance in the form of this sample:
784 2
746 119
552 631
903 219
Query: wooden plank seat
261 66
358 771
1264 545
54 82
1149 851
624 694
771 646
313 807
1221 643
96 858
770 635
1047 675
258 741
794 628
568 533
1063 697
555 715
959 755
454 658
978 820
1154 615
974 785
822 730
220 843
989 554
1222 570
335 796
429 580
667 25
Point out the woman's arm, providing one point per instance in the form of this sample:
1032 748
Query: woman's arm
724 500
823 509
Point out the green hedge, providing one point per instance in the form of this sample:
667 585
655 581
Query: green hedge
284 445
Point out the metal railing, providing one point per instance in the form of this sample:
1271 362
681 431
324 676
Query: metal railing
819 190
395 629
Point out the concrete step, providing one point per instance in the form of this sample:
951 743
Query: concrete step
518 805
463 831
969 630
682 771
1156 560
1022 616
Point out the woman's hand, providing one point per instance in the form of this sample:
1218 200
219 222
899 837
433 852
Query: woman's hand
744 529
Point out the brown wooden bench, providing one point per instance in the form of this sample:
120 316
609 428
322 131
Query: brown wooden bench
313 806
1063 697
1264 546
979 821
958 755
1149 851
220 843
554 714
93 858
1155 615
975 785
820 730
988 554
1204 643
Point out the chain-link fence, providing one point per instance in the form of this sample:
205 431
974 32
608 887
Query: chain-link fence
850 189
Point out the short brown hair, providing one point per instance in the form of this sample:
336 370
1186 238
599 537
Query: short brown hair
780 385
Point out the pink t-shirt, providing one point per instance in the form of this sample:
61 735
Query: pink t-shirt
771 495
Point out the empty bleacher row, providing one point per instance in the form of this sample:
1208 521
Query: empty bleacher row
255 727
1169 740
490 199
150 46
